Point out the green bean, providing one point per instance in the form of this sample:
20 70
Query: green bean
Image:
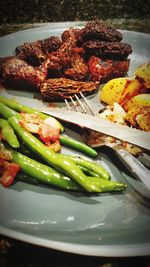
87 171
35 173
55 160
23 177
8 133
107 185
94 167
7 112
79 146
23 108
43 173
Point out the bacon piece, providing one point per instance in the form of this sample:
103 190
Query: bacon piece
49 135
139 117
8 172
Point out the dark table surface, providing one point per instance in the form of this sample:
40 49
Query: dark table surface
15 253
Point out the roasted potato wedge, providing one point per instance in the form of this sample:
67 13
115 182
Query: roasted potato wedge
120 90
133 95
142 73
139 117
137 101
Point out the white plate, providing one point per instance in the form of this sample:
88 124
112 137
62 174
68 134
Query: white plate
99 225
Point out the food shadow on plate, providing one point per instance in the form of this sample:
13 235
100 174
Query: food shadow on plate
82 197
135 187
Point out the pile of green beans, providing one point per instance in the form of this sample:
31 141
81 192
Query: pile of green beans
43 173
64 171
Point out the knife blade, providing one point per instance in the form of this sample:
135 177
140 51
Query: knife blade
134 136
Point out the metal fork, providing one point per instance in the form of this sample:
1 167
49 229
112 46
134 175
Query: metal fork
80 103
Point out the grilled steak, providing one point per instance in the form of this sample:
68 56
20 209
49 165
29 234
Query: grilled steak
61 88
35 53
3 60
77 62
108 50
99 30
31 53
18 74
67 60
102 70
50 44
71 32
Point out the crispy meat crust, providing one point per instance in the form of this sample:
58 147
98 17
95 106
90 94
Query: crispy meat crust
99 30
67 61
3 60
103 70
61 88
50 44
31 53
71 32
35 53
108 50
18 74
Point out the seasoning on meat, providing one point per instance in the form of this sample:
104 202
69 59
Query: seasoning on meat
99 30
18 74
107 50
67 61
35 53
31 53
50 44
104 69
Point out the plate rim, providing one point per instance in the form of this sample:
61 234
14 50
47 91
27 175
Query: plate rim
63 25
130 250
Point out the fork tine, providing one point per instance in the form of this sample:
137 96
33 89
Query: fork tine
68 105
91 109
74 104
80 104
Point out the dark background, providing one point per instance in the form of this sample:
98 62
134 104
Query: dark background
33 11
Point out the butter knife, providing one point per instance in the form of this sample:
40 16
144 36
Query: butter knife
131 135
